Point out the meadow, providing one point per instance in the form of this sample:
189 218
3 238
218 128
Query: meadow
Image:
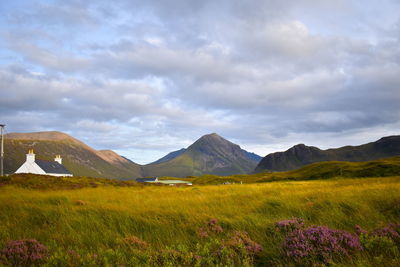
113 223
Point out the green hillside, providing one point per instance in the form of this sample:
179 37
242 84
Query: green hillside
322 170
211 154
78 158
301 155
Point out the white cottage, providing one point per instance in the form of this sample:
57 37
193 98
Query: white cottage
37 166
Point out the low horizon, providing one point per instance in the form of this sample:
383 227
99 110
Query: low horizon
194 140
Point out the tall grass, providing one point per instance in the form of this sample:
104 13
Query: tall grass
90 219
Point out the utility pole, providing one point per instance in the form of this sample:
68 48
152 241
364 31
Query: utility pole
2 150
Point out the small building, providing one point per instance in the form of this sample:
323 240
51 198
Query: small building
45 167
174 182
147 180
166 182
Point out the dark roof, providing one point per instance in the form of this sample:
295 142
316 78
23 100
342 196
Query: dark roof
146 179
52 167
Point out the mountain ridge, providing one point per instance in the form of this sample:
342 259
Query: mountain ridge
79 158
301 155
210 154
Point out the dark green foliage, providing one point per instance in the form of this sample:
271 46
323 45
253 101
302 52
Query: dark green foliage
35 181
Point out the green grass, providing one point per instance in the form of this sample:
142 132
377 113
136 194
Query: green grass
322 170
94 220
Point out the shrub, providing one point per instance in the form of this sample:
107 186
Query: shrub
24 252
287 226
135 242
391 231
320 244
379 246
240 240
381 241
212 227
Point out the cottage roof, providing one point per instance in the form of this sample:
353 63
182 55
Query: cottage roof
146 179
52 167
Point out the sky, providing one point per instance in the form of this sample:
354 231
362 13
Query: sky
145 77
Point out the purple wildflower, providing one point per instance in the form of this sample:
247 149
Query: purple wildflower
391 231
359 230
319 243
212 227
242 239
287 226
24 252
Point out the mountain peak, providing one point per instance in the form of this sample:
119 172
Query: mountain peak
212 139
211 135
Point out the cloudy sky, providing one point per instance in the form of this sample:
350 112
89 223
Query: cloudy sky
146 77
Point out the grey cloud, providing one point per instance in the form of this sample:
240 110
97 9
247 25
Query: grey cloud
166 71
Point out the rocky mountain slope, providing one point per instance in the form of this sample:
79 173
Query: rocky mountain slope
211 154
301 155
78 157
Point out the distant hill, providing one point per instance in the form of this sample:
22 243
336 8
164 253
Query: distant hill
78 157
388 167
170 156
301 155
252 156
211 154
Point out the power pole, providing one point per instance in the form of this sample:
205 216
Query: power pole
2 150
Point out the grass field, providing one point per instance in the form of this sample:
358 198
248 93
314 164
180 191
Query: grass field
93 225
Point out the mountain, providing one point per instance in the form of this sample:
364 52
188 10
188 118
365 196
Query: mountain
301 155
254 156
78 157
170 156
211 154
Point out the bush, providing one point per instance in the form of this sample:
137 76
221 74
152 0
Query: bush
24 252
241 240
381 241
287 226
212 227
320 244
391 231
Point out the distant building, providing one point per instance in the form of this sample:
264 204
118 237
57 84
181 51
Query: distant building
157 181
174 182
147 180
37 166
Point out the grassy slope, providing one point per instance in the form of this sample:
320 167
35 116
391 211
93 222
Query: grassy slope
321 170
77 159
170 215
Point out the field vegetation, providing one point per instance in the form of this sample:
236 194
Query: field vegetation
316 171
282 223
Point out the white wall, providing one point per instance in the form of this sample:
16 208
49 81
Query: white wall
30 167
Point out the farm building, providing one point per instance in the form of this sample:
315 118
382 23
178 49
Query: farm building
167 182
147 180
37 166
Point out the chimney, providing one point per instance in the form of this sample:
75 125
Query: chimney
30 157
58 159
